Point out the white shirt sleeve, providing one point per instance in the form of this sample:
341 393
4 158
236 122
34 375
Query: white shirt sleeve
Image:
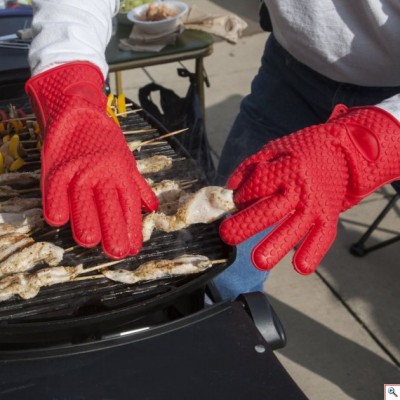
70 30
391 105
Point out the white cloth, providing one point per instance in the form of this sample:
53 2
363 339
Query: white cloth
229 27
141 41
70 30
350 41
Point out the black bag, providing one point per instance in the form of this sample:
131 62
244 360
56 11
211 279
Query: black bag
179 113
265 19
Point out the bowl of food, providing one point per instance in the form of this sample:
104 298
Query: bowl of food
158 17
125 7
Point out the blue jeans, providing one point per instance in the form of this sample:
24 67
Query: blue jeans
285 96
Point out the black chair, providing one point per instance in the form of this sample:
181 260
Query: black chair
359 248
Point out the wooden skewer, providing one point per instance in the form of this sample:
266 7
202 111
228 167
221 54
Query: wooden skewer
53 231
188 183
100 266
166 135
87 278
29 116
71 248
144 130
128 112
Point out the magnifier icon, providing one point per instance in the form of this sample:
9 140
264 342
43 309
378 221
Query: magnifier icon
391 391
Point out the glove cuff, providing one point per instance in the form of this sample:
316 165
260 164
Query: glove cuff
68 86
370 139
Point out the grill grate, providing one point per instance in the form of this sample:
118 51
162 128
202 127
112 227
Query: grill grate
85 303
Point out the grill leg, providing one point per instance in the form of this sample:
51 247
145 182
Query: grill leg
359 249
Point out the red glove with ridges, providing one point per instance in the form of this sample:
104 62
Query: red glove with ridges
304 180
89 174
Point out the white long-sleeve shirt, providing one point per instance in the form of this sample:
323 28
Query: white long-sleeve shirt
349 41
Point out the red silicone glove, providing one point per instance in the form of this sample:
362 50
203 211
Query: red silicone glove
306 179
88 173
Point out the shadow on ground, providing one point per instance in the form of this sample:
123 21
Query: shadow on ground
343 362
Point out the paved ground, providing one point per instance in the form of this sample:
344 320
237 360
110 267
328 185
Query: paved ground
343 323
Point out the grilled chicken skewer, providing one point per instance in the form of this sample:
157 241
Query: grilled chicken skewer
28 257
204 206
18 204
23 178
31 224
11 243
160 269
8 191
168 191
27 285
20 218
154 164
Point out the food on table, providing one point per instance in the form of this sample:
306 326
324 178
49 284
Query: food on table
158 12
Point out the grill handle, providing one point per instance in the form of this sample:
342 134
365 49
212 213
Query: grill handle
264 317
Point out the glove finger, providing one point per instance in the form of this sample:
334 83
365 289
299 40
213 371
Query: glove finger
254 219
54 186
280 241
314 247
264 180
85 223
130 202
244 169
114 233
148 197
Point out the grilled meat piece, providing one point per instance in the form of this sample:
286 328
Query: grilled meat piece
204 206
20 218
154 164
28 257
29 225
18 204
11 243
21 178
27 285
159 269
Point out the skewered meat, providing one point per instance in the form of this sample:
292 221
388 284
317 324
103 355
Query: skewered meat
167 191
159 269
28 257
23 178
8 191
204 206
18 204
29 225
27 285
154 164
20 218
11 243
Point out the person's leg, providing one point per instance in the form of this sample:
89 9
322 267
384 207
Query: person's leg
275 107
